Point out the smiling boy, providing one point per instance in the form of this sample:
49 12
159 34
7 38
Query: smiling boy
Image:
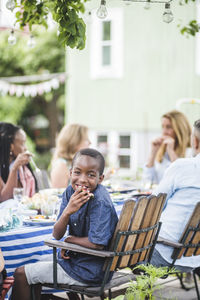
90 216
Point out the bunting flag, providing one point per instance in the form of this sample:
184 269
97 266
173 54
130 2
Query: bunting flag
187 100
32 90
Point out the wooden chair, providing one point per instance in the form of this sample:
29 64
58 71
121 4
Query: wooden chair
188 245
133 242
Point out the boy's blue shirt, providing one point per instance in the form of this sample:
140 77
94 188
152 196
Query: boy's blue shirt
96 220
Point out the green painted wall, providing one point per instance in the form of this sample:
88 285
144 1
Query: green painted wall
159 68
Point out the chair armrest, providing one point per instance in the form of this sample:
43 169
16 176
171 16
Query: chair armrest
166 242
77 248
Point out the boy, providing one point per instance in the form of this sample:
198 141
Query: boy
88 210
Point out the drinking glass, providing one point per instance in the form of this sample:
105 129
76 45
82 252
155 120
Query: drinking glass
48 209
18 194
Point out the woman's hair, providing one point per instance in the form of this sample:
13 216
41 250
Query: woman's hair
7 136
68 141
182 131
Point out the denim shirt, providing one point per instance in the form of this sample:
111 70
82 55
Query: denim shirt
96 220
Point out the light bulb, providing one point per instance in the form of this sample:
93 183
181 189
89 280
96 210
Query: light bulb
167 15
12 38
10 4
31 42
127 2
88 16
147 5
102 10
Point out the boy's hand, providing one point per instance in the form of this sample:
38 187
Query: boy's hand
79 198
62 253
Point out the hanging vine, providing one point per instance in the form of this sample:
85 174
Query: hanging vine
64 12
192 27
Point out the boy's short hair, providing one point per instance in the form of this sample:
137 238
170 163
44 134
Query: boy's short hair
92 153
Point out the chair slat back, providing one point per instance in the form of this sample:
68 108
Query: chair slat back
136 224
122 225
159 204
150 217
136 216
191 237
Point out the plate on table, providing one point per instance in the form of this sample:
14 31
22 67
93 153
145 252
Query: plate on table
39 222
123 190
139 194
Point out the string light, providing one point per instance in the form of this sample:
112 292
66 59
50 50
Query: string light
12 38
10 4
167 15
147 5
31 42
102 10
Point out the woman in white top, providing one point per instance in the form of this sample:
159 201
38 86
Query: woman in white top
172 144
71 139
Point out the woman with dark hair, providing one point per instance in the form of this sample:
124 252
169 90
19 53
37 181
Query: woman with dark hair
15 170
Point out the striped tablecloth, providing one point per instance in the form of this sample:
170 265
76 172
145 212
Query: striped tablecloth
25 245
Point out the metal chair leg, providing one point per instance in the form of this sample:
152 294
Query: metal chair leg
109 294
196 285
32 293
180 277
82 297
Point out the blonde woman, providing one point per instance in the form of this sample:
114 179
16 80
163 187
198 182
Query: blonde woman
172 144
72 138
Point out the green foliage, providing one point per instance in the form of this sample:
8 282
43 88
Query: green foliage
10 58
43 160
64 12
19 59
192 28
12 108
144 287
45 57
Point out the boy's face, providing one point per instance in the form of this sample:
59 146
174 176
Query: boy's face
85 173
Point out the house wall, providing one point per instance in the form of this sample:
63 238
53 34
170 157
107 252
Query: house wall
158 69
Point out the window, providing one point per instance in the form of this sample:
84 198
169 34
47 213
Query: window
102 145
106 43
119 149
102 139
124 161
125 141
106 57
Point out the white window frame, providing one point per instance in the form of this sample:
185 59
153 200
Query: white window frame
115 69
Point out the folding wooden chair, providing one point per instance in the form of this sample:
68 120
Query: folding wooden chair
133 242
188 245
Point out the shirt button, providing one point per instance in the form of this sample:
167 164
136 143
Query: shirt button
74 224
